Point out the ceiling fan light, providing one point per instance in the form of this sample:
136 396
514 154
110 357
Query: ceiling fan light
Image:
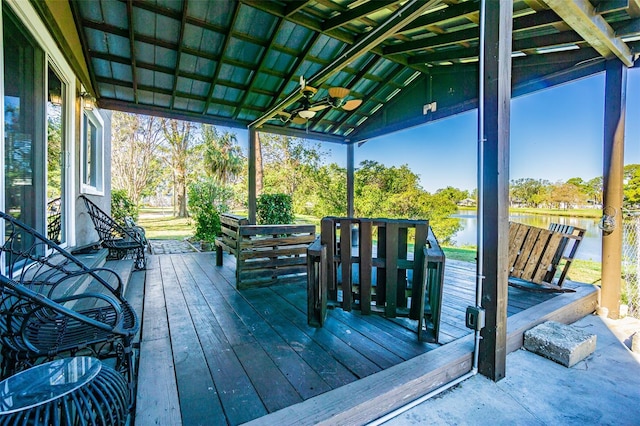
338 92
307 114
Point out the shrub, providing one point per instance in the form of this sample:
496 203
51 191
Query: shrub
122 206
274 209
206 202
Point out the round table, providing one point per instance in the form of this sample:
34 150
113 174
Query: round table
70 391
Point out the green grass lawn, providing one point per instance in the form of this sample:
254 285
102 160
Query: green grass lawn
161 225
592 213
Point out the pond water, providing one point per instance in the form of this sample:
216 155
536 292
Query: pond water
590 247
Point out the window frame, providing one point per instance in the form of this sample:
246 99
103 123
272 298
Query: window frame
90 116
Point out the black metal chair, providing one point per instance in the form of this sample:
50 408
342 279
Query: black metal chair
122 242
54 220
52 305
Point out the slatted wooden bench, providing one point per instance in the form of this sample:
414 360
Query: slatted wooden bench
386 272
265 254
536 255
228 239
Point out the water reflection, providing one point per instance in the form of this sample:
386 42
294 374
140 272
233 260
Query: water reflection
590 248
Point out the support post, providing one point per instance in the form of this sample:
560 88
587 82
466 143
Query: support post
494 153
252 176
350 179
613 175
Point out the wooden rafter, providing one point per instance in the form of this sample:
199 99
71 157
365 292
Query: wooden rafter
440 16
567 37
583 18
85 50
522 23
132 46
176 74
356 13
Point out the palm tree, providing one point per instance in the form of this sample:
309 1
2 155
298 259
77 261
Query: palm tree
222 155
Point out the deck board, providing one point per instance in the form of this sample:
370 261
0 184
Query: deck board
211 354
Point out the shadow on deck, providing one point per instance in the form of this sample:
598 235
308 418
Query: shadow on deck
210 354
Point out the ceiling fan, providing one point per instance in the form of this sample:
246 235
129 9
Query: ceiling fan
308 108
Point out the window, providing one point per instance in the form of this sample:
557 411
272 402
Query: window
92 153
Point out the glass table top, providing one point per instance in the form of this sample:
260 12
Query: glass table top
46 382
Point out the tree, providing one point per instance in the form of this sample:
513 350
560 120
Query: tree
453 194
135 164
222 154
529 192
330 199
594 189
632 185
181 143
566 195
291 167
395 192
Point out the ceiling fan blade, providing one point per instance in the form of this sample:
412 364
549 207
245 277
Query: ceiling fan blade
298 120
352 104
339 92
284 114
318 107
308 91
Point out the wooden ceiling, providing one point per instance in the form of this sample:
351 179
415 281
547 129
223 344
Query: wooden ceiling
238 63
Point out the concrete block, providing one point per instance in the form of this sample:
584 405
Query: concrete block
565 344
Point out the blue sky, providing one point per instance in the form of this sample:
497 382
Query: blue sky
556 134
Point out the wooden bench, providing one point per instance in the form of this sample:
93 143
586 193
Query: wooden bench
536 255
386 272
265 254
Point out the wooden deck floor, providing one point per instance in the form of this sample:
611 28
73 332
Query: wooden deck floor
210 354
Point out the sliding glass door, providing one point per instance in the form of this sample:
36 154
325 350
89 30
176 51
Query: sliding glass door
56 90
24 162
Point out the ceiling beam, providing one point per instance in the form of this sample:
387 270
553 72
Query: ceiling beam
439 16
183 22
77 17
583 18
356 13
550 40
407 13
611 6
295 6
522 23
132 47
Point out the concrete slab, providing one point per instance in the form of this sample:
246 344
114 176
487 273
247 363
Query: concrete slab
563 343
604 388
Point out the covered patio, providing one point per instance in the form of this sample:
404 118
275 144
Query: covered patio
211 354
